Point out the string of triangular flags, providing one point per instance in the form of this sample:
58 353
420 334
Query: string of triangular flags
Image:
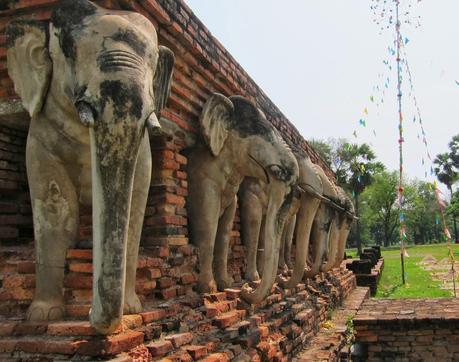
384 16
439 195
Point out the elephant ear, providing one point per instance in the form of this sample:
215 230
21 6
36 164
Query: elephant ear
163 78
215 120
29 63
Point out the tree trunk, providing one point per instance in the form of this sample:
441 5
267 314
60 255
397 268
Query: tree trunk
454 217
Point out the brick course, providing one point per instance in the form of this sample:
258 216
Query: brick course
181 329
408 329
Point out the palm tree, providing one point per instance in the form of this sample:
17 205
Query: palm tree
357 170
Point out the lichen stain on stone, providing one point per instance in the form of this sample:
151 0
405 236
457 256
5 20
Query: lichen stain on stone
68 17
15 29
129 37
53 212
126 98
248 119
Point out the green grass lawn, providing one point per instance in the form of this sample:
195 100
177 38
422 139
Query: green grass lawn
419 283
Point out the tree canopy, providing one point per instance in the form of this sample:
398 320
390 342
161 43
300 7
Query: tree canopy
374 191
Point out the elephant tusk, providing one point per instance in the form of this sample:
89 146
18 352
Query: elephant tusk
308 189
86 114
153 125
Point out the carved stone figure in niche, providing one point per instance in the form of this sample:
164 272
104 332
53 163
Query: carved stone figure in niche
345 221
301 215
314 218
325 229
92 81
236 141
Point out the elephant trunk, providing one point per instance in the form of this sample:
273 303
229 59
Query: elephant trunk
305 218
114 149
276 215
344 232
332 245
319 236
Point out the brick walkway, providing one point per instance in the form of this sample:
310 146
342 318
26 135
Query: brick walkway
329 342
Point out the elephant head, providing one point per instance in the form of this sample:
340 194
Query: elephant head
238 141
92 79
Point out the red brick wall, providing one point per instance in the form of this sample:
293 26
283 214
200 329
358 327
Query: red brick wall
202 66
408 330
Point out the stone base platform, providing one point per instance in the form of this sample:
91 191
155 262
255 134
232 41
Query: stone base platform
408 330
332 343
369 279
213 327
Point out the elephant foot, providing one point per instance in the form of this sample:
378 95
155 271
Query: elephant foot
41 310
132 304
252 276
226 282
207 286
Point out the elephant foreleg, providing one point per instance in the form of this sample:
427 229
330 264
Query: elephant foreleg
140 189
55 216
225 225
203 213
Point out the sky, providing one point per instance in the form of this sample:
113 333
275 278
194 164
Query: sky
321 62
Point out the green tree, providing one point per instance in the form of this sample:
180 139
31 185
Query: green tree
323 148
452 210
454 151
356 171
380 212
354 166
421 213
447 174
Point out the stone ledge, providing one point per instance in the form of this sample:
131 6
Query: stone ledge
408 312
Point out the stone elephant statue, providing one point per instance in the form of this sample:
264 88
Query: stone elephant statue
93 80
236 142
300 218
324 233
346 218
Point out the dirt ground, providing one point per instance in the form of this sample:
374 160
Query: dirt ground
441 270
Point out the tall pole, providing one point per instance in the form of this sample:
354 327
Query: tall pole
400 140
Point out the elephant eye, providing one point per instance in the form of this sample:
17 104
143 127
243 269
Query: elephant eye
279 172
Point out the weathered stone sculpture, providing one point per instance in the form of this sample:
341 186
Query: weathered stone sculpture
345 222
92 81
237 141
324 229
300 217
